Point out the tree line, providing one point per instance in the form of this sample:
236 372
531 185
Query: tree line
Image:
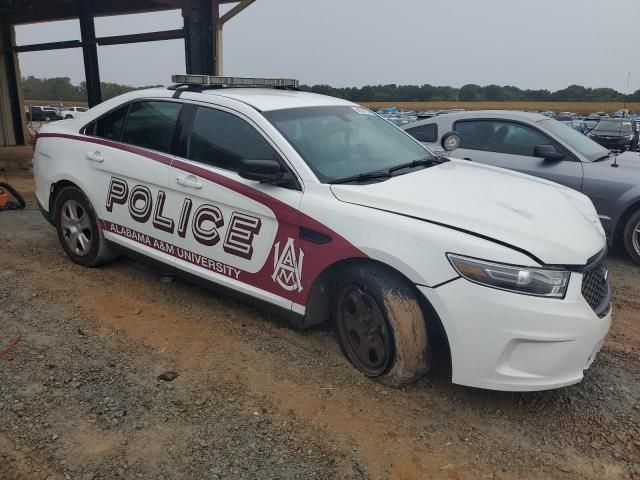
61 89
471 93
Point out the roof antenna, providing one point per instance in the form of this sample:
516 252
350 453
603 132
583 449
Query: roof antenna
626 94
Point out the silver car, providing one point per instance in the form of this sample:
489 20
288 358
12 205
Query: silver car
537 145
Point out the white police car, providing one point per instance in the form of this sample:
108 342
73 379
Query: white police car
319 207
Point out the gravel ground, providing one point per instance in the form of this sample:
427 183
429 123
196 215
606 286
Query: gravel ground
80 394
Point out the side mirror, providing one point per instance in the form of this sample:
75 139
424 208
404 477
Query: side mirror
266 171
548 152
450 141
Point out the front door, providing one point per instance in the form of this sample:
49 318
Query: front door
239 233
510 145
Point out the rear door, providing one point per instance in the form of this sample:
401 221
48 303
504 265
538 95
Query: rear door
236 232
129 151
507 144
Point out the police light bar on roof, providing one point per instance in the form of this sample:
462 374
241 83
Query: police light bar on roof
213 81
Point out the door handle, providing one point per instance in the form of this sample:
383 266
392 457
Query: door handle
189 181
95 156
468 159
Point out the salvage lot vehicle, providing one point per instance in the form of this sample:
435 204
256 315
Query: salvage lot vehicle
616 134
535 145
42 114
73 112
322 209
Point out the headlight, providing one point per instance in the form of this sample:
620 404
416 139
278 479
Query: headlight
529 281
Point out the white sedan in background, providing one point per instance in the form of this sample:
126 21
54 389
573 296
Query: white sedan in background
73 112
325 211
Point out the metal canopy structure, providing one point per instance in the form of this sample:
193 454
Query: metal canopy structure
201 31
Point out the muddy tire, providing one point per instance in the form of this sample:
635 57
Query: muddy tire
78 230
631 237
380 325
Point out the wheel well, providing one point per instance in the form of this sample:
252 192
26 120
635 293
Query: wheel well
624 218
55 189
321 299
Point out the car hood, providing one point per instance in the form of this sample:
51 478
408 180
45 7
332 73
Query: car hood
610 133
553 223
627 162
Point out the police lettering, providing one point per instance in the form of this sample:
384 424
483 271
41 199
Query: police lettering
205 222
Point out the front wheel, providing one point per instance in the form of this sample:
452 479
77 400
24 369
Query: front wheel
380 325
631 236
78 230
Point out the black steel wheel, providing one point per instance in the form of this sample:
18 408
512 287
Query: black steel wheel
380 324
367 339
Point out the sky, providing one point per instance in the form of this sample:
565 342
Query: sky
534 44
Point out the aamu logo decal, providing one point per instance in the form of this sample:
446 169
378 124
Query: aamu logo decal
287 267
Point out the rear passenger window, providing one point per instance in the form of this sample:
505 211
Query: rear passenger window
151 125
110 125
424 133
221 139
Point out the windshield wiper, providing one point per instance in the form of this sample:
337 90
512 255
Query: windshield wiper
363 177
384 174
418 163
604 157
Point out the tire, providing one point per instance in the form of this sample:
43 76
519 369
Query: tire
631 236
67 117
78 231
380 325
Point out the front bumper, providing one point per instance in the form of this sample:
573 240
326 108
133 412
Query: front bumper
506 341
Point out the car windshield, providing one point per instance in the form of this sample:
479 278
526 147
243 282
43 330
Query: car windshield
615 126
576 140
338 142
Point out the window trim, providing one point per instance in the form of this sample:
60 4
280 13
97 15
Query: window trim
182 148
172 146
570 156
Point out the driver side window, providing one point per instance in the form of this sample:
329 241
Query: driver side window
500 137
221 139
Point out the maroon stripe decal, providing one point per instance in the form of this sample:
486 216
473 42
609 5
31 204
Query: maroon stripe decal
158 157
311 259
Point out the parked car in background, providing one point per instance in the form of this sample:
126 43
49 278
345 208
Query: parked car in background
598 115
622 113
565 117
539 146
42 114
616 134
589 124
73 112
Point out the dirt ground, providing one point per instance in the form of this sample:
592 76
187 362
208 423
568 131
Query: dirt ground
81 351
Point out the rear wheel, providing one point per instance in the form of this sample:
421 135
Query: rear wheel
78 230
631 236
380 325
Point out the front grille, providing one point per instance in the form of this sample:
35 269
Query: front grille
596 289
